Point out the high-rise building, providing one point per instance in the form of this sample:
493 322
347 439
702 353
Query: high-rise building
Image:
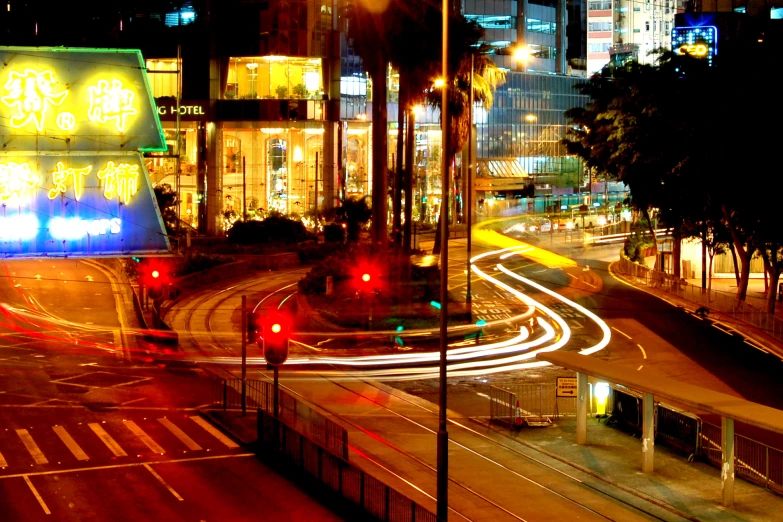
623 30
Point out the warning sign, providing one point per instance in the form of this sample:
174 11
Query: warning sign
566 386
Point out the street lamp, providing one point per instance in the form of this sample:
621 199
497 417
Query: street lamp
522 55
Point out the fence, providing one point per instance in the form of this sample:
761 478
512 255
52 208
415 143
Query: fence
724 303
541 400
501 405
754 461
227 393
361 489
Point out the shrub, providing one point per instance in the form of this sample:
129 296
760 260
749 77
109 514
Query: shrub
196 262
274 229
312 252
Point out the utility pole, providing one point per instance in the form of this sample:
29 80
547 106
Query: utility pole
177 162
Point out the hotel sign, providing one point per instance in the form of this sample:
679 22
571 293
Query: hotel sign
72 178
188 110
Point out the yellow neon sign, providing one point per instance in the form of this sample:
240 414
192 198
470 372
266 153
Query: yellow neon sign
16 181
699 49
110 102
122 179
30 94
63 177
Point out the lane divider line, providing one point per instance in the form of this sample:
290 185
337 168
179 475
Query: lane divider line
106 438
181 435
70 443
32 447
215 432
644 354
37 495
160 479
142 435
621 332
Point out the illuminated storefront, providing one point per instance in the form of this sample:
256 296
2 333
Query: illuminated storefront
72 179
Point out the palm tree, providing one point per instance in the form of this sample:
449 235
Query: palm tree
464 51
367 28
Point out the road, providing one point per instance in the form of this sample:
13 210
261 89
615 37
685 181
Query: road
87 434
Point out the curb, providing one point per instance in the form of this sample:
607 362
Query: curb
748 331
634 492
225 428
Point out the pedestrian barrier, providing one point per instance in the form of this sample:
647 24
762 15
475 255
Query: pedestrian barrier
336 473
754 461
227 393
627 408
501 406
719 301
678 428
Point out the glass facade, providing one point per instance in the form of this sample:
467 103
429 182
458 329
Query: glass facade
527 122
281 77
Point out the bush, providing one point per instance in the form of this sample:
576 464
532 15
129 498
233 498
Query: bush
312 252
274 229
192 263
634 247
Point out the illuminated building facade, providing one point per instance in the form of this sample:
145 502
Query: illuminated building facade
623 30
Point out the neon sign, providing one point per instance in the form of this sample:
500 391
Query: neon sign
111 103
122 178
30 94
700 42
63 177
17 182
93 96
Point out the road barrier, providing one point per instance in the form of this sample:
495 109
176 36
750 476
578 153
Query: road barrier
678 428
719 301
336 473
627 408
227 393
501 406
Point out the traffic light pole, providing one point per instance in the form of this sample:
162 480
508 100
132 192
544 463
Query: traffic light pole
244 354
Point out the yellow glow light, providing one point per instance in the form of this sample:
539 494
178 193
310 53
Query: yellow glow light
366 278
440 82
522 54
16 182
30 94
699 49
63 177
111 103
122 179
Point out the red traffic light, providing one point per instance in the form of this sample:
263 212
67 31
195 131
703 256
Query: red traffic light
155 279
366 277
155 274
275 332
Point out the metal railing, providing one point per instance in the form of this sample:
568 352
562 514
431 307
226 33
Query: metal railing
227 393
501 405
754 461
719 301
364 491
540 400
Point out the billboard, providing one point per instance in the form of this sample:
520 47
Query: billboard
698 41
73 182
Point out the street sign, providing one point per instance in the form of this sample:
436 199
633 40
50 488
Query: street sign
566 387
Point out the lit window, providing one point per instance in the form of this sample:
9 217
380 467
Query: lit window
280 77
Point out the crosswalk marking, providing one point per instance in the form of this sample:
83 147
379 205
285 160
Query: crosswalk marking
70 443
106 438
32 447
214 432
3 463
181 435
146 439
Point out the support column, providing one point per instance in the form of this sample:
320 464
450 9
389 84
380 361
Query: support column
330 170
581 408
648 433
727 466
214 181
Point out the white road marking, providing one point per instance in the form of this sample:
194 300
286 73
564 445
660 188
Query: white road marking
620 332
32 447
70 443
181 435
644 354
146 439
757 347
176 495
126 465
37 496
214 432
106 438
639 368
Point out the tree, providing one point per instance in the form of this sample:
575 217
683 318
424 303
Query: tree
464 36
167 203
355 212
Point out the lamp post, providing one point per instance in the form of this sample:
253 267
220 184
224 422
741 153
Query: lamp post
442 510
469 192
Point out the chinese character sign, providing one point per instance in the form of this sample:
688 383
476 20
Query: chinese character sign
78 205
94 100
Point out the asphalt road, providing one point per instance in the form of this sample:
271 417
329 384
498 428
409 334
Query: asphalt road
86 434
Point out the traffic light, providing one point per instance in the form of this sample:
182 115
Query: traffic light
367 278
155 280
276 329
252 327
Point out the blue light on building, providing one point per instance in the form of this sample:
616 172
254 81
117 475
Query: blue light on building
701 42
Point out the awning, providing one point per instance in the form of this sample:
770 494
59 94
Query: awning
500 168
